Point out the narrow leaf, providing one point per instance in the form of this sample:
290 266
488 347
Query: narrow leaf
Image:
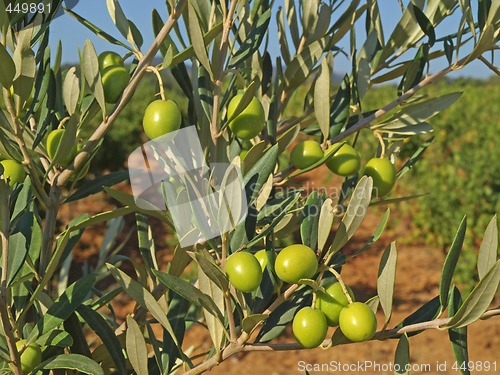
7 68
91 73
458 336
386 279
142 297
136 347
326 217
402 356
75 362
322 98
478 301
189 292
487 255
71 90
451 262
197 40
356 211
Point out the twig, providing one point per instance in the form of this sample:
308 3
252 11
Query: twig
228 23
490 65
240 345
365 122
127 94
4 313
381 141
342 284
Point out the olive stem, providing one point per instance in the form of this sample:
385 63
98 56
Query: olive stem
160 80
241 346
382 143
341 282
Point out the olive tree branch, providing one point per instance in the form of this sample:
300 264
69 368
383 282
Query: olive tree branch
4 313
228 23
490 65
241 346
366 121
127 95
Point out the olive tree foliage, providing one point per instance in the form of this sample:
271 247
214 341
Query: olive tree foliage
213 49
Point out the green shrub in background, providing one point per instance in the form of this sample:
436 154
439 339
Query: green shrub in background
460 171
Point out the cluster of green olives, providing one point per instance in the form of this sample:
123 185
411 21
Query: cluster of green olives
310 325
294 262
356 320
114 76
346 162
13 172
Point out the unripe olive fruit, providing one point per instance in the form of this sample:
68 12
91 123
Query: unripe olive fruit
244 271
358 322
161 117
296 262
13 172
332 302
53 143
309 327
345 162
109 58
31 357
384 175
262 257
250 121
305 154
114 80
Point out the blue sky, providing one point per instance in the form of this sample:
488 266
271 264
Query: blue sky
73 35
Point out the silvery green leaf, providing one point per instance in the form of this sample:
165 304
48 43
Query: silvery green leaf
488 251
356 211
326 217
451 262
71 90
91 73
386 279
215 326
478 300
322 98
137 352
